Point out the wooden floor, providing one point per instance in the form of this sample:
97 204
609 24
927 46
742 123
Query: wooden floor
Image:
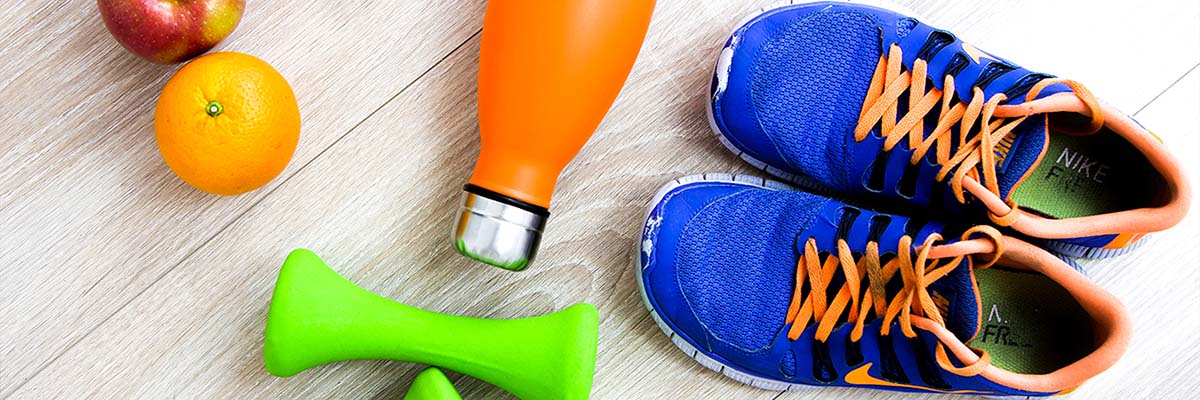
120 281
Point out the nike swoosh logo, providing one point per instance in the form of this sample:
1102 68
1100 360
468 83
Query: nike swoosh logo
862 376
974 53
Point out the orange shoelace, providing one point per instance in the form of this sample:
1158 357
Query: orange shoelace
974 149
856 304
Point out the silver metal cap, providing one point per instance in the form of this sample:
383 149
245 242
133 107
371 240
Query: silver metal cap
497 233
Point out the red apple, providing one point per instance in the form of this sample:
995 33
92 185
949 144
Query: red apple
170 31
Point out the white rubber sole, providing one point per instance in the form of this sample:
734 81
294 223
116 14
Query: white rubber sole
1074 250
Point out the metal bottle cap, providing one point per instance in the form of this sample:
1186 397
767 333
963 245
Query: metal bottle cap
498 231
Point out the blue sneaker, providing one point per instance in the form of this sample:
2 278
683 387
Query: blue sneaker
781 289
870 102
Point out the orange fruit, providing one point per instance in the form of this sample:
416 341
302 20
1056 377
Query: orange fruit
227 123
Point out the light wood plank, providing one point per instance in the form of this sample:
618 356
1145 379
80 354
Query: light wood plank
1126 53
386 228
90 214
197 332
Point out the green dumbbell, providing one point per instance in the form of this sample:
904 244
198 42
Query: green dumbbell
318 317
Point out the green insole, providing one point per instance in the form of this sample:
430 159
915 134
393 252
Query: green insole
1088 175
1029 323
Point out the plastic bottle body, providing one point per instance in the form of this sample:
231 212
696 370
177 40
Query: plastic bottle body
548 72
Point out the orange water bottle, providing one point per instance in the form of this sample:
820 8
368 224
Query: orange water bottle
548 72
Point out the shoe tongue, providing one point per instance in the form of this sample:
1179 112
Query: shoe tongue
958 301
1020 151
1023 148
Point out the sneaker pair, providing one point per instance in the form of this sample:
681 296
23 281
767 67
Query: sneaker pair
782 288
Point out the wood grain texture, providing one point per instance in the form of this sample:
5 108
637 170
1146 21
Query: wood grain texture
91 215
122 282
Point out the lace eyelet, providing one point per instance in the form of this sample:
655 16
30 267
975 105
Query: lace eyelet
1008 218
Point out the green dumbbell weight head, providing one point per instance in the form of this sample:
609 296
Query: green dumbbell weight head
432 384
318 317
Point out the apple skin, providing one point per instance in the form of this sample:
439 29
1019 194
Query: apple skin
170 31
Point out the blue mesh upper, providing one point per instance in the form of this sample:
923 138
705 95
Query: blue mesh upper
808 88
788 365
718 266
739 280
904 26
